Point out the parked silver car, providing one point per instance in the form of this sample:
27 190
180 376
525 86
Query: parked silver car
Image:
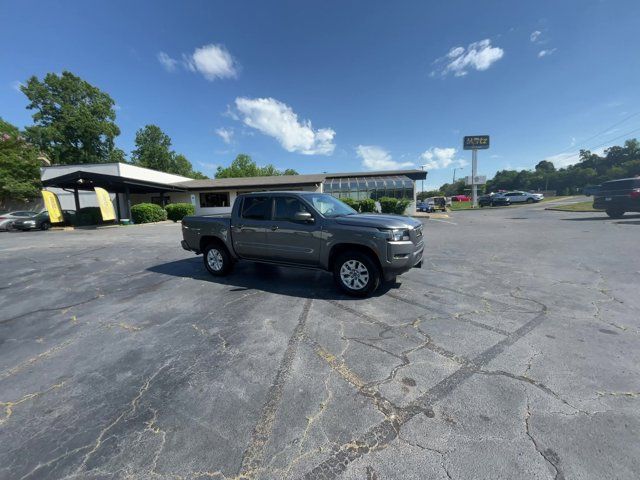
7 219
518 196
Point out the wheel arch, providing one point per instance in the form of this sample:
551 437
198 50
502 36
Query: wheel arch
212 239
340 248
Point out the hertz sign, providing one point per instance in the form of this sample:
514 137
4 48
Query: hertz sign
476 142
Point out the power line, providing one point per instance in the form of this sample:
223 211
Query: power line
573 147
615 138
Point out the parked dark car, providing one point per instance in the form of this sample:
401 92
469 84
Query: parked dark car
41 221
425 207
494 200
590 190
618 197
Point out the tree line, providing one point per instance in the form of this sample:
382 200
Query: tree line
592 169
74 122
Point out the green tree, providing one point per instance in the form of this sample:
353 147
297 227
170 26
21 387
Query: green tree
19 166
243 166
153 149
74 122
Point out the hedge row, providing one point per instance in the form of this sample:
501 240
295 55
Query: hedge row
177 211
147 213
387 205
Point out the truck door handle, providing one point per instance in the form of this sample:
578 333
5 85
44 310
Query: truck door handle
274 228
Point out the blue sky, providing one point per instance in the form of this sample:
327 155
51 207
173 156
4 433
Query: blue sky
344 86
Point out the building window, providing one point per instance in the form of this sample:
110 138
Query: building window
209 199
360 188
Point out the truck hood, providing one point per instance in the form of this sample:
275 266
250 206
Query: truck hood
378 221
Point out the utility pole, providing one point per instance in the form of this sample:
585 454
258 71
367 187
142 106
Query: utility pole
454 173
474 171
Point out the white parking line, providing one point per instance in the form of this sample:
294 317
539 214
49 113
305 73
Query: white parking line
440 220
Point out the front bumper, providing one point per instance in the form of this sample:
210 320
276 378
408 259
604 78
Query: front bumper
186 246
402 257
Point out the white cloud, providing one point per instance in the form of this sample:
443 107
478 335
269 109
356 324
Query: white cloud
212 61
16 85
167 62
546 53
535 35
477 56
565 159
279 121
436 158
226 134
377 158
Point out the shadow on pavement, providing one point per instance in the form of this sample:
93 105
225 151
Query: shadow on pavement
602 218
294 282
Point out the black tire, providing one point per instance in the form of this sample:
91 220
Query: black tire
219 255
358 261
614 213
530 200
45 226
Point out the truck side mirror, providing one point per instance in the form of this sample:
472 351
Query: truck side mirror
303 217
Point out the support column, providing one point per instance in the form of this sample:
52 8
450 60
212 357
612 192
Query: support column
127 201
76 197
118 211
474 172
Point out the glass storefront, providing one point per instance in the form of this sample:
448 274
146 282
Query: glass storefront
359 188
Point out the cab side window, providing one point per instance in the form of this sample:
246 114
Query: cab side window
287 207
256 208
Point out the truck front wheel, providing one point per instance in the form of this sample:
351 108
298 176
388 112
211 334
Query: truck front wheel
217 260
356 274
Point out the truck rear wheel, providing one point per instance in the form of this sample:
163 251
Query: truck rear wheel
356 274
217 260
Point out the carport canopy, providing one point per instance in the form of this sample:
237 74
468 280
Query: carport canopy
82 180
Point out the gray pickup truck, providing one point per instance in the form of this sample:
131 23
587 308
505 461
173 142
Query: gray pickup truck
309 230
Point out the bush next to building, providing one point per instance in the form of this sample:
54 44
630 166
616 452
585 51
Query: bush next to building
88 216
177 211
147 213
393 205
352 203
367 205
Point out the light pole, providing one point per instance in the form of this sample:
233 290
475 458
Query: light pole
422 187
454 173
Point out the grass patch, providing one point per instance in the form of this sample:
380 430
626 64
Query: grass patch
575 207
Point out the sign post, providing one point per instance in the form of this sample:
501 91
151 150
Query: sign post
475 143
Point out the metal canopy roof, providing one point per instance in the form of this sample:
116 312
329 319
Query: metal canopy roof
113 183
290 180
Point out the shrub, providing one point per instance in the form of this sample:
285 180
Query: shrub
148 212
88 216
393 205
351 202
177 211
367 205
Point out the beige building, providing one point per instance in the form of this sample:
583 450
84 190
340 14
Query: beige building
129 185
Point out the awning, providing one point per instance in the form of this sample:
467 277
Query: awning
112 183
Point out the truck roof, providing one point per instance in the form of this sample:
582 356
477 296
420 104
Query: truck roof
283 192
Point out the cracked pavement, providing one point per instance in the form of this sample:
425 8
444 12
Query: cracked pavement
514 353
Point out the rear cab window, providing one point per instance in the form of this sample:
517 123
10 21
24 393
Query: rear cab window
256 208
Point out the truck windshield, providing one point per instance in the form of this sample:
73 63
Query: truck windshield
330 206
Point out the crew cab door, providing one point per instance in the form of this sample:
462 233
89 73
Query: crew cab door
248 229
290 240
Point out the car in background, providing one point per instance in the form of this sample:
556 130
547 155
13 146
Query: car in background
590 190
41 221
494 200
518 196
617 197
424 206
7 219
460 198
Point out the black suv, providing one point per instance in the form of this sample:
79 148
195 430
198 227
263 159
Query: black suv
494 200
618 196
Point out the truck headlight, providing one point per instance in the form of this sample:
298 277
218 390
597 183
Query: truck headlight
397 235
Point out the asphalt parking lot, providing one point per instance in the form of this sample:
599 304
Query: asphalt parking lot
514 353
